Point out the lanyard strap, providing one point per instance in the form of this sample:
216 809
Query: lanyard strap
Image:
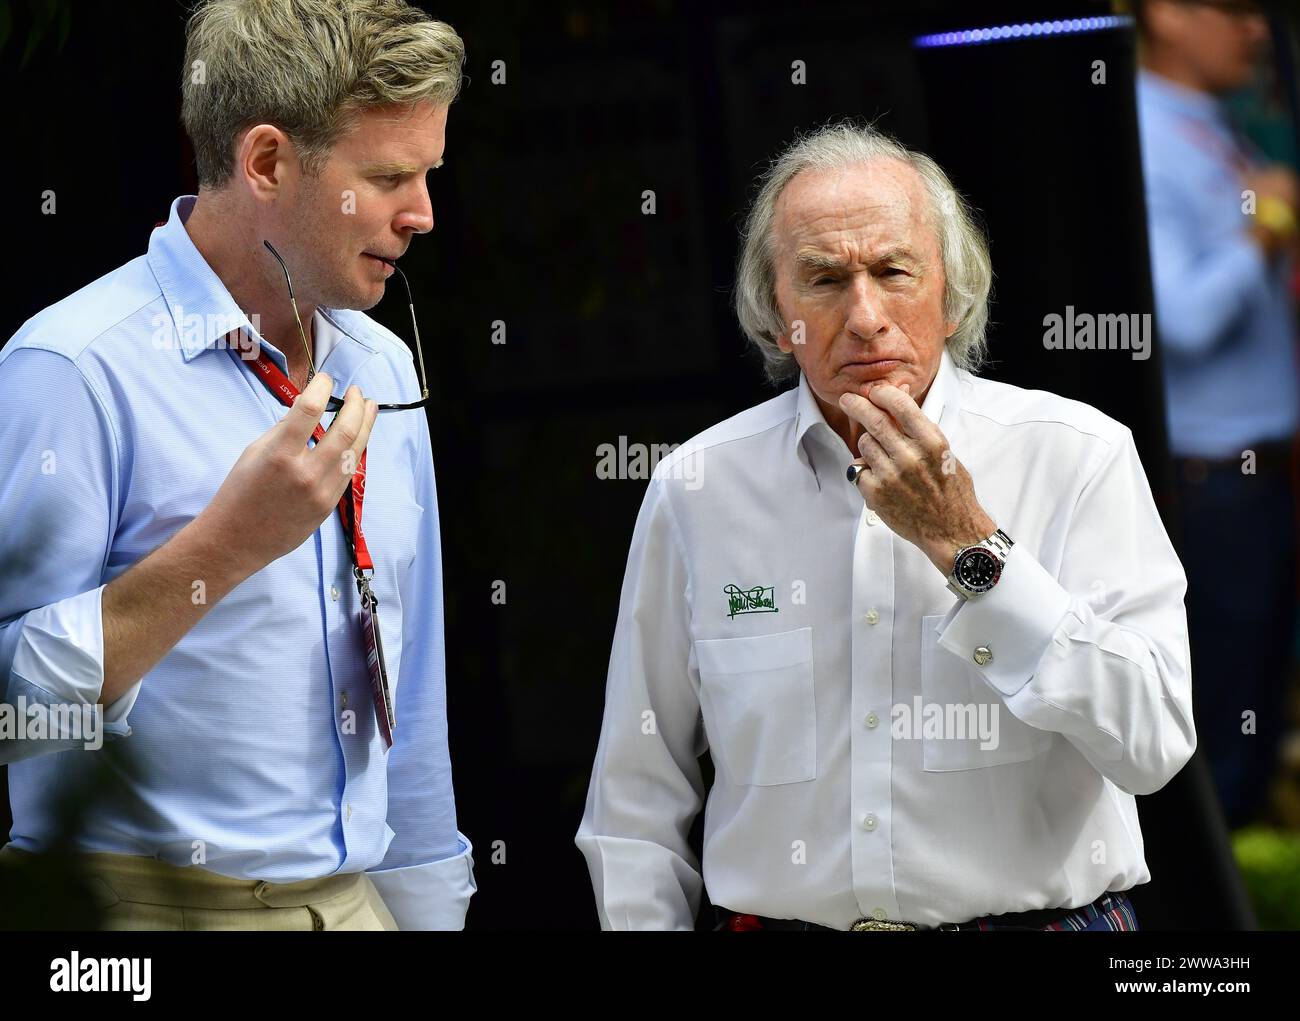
350 503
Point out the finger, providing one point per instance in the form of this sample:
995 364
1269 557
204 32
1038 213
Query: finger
304 414
855 406
856 430
344 430
372 413
907 413
350 459
877 458
862 476
878 423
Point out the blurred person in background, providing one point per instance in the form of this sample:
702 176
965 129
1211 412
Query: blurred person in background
1222 224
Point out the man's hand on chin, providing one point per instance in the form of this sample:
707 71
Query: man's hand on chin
912 480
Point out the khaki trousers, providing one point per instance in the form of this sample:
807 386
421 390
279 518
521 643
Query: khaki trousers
134 892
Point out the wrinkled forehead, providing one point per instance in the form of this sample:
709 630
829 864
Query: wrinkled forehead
884 201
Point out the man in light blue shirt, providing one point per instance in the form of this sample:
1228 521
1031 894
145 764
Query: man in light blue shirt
1222 229
172 548
1223 306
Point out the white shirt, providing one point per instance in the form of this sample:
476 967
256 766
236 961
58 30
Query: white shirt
832 800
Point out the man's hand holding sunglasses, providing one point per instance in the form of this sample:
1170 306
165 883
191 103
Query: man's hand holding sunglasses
280 490
277 494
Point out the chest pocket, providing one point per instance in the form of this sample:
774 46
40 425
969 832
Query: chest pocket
972 714
756 696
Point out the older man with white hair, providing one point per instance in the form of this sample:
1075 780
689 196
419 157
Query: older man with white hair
932 692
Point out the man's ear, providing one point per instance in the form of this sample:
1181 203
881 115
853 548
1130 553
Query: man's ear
949 329
262 159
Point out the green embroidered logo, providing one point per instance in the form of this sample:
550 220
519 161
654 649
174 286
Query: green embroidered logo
753 600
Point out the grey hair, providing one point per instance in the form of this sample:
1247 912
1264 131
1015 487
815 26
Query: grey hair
968 273
309 67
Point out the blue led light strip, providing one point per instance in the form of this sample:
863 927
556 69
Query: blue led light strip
1001 33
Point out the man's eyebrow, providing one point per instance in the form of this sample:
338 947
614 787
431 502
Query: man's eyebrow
898 254
807 261
386 167
812 261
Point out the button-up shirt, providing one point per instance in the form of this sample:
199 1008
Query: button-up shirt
1224 312
253 745
881 747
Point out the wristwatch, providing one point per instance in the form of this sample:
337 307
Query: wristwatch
977 568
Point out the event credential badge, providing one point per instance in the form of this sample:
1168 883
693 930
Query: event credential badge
374 646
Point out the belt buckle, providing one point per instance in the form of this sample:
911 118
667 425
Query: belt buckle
880 925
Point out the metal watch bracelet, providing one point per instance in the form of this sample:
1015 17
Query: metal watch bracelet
999 543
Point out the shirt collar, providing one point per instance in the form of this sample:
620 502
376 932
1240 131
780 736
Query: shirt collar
944 392
201 308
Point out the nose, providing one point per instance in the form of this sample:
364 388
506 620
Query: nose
418 217
865 317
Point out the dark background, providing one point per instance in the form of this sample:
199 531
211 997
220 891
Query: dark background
619 323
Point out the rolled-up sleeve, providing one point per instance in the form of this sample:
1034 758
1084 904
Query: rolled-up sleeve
1100 653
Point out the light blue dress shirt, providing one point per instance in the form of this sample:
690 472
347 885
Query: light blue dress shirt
1224 314
254 747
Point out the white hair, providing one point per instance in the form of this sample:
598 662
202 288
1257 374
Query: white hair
968 273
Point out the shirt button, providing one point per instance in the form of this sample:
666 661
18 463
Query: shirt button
344 699
873 518
872 616
871 720
869 822
879 914
983 655
349 811
334 593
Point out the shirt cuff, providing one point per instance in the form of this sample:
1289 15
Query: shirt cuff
1014 621
60 651
431 896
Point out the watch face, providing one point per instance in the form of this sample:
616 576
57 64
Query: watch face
978 570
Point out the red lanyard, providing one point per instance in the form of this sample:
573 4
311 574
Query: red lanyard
350 514
349 510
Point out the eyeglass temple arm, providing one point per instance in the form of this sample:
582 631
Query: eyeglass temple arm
311 364
410 304
415 328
